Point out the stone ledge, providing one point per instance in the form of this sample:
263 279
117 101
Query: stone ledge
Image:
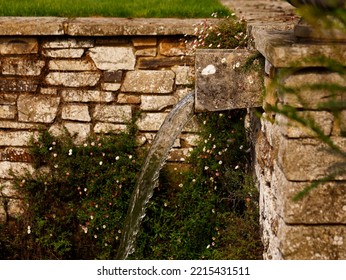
33 26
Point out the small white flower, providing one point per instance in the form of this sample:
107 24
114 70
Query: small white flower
220 162
95 236
91 217
117 158
55 155
85 189
85 145
92 143
70 152
206 167
237 167
104 226
101 162
130 156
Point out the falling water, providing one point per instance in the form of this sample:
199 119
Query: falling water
148 178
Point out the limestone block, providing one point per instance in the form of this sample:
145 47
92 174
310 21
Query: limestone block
113 58
76 113
17 168
190 140
321 119
310 159
146 52
15 154
113 113
22 67
7 112
63 53
151 121
144 41
311 98
312 243
128 98
112 76
37 108
70 43
164 62
192 125
149 81
8 99
79 131
20 45
111 86
315 207
16 138
102 127
71 95
224 80
73 79
156 103
184 75
71 65
172 47
49 91
9 124
17 85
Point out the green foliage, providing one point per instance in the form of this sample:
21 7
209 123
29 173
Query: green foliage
227 33
113 8
76 201
213 212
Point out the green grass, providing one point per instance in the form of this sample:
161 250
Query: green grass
113 8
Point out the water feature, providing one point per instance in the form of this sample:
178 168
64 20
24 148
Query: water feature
148 178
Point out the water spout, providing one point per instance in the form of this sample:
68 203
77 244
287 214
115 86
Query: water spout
148 178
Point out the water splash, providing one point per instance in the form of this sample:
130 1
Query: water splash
148 178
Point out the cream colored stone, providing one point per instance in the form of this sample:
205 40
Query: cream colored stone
79 95
156 103
113 113
76 113
73 79
71 65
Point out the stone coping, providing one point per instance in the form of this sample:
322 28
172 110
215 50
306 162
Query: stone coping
95 26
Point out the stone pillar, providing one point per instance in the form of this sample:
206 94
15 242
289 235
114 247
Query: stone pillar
291 157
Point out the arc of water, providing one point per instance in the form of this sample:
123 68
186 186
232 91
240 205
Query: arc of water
148 178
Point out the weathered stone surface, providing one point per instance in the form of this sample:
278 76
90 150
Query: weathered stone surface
151 121
71 65
7 111
15 154
76 113
101 127
112 76
110 86
301 159
87 96
223 81
161 62
16 138
315 207
41 108
22 67
172 47
79 131
73 79
156 103
146 52
17 125
190 140
19 45
32 25
49 91
312 243
113 58
17 85
293 129
70 43
146 81
184 75
18 168
8 99
63 53
305 96
128 98
113 113
282 49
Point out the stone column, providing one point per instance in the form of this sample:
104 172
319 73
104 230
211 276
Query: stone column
302 92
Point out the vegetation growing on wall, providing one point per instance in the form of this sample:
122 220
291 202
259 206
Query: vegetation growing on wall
212 213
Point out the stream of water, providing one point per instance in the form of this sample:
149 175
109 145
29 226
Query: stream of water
148 178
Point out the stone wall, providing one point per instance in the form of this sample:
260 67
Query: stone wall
88 76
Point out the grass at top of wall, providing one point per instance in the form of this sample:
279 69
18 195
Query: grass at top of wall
113 8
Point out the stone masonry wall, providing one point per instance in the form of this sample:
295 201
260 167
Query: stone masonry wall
88 77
